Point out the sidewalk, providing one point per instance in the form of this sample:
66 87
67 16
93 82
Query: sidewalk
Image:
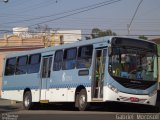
8 106
4 102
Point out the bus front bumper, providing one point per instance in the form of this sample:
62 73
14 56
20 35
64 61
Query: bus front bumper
117 96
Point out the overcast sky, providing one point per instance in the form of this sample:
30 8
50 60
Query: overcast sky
83 14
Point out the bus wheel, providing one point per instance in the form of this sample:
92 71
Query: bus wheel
27 100
82 100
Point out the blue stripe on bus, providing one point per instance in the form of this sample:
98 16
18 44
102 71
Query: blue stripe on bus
51 86
69 85
20 88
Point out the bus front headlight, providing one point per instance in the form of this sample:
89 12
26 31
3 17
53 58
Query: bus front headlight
153 93
112 88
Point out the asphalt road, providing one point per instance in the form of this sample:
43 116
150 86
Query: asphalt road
109 111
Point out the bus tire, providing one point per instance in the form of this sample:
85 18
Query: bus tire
27 100
82 100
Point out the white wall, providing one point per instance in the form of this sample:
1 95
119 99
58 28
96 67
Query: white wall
70 36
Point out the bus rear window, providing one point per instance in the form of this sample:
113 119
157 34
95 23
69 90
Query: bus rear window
10 66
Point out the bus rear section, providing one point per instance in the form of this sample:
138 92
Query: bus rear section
21 75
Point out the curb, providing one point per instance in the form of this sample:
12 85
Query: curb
4 102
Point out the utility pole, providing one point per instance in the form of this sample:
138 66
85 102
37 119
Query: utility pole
129 25
128 28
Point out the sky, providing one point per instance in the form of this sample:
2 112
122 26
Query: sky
82 14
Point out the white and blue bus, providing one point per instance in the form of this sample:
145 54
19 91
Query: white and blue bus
117 69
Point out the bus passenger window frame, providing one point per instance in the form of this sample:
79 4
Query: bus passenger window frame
82 60
69 61
34 64
8 68
57 64
20 66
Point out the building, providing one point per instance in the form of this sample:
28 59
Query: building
22 40
65 36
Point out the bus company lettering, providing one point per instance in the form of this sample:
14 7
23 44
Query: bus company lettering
66 78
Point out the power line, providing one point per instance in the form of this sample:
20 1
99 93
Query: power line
42 17
26 20
87 34
40 5
75 13
61 13
36 32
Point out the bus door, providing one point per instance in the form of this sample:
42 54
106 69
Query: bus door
45 76
98 72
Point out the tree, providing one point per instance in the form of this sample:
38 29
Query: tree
96 32
143 37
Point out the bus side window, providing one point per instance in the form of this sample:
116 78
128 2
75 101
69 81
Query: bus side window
58 60
21 67
10 66
84 56
69 59
34 63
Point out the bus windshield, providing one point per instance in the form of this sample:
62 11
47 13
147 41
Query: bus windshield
133 63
